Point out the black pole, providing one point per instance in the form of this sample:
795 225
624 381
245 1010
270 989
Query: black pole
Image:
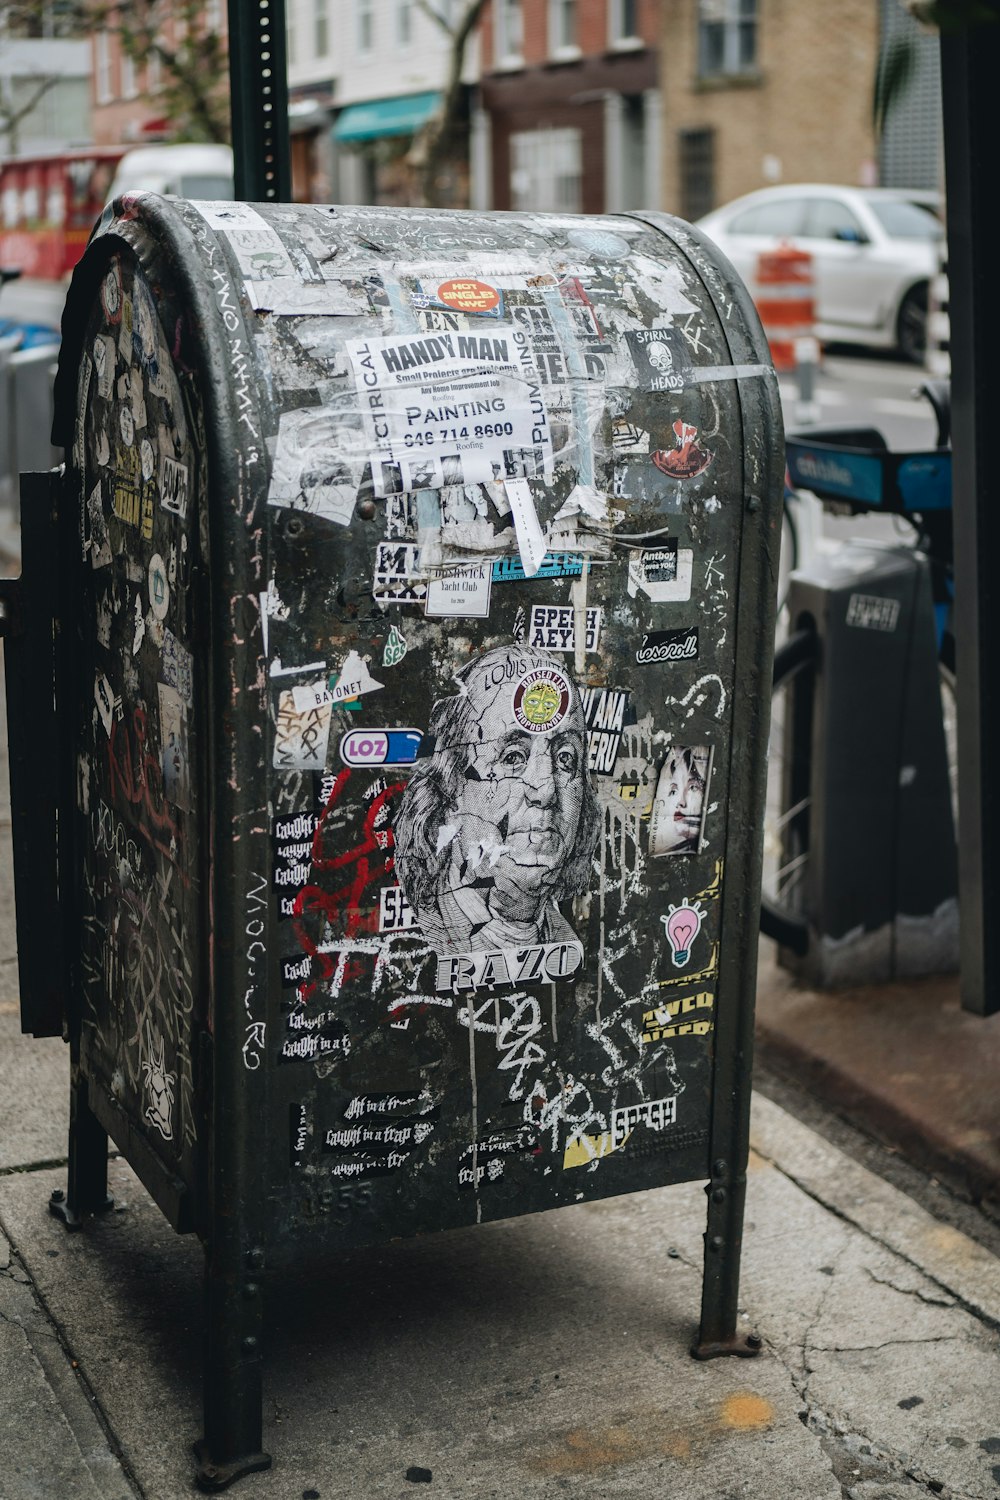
970 61
258 84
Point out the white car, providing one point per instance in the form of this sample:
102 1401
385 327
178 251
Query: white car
187 171
874 252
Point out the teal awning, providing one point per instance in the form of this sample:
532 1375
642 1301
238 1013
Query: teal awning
384 117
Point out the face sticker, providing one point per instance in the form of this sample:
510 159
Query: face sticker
678 817
542 700
686 459
498 824
683 924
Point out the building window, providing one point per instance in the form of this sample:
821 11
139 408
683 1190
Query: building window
508 26
404 23
727 37
696 149
562 28
102 69
366 26
546 171
321 28
213 15
130 80
154 67
623 19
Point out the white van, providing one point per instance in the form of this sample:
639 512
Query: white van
184 171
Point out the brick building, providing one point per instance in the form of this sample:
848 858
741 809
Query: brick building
763 91
126 108
570 105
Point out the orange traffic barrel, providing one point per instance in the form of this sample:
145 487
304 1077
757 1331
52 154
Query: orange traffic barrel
785 295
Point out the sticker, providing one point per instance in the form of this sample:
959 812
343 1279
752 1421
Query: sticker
450 408
519 629
487 1157
657 1114
626 437
176 667
668 645
662 573
298 1133
380 747
139 625
394 650
530 541
462 591
365 1137
542 700
677 823
467 295
159 588
688 1015
312 1037
100 542
395 914
553 627
552 565
660 359
300 738
683 924
159 1085
353 680
599 242
604 710
173 748
126 500
395 579
686 460
498 823
869 612
173 486
104 364
306 695
319 459
111 293
543 963
105 700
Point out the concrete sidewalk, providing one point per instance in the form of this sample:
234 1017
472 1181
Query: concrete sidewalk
543 1355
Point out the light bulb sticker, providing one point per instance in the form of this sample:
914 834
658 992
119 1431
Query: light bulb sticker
683 924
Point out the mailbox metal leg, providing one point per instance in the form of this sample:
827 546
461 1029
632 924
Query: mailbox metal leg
87 1184
232 1445
720 1286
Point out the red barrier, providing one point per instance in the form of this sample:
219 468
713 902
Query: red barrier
785 295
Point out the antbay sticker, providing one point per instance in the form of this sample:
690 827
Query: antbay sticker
461 591
668 645
553 627
450 408
662 573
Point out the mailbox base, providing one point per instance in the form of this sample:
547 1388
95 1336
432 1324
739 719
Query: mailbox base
213 1477
87 1178
742 1345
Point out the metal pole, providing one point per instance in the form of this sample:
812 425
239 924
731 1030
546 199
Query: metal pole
258 84
970 60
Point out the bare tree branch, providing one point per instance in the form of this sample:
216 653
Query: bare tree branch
434 144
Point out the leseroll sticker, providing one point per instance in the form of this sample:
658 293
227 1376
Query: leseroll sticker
450 408
668 645
542 700
461 592
554 627
662 573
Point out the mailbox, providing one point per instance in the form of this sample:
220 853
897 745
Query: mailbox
396 765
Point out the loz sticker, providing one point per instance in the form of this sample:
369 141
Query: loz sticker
668 645
677 824
683 924
380 747
686 460
554 627
662 573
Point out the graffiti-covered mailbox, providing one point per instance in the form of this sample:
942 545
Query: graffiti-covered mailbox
415 603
